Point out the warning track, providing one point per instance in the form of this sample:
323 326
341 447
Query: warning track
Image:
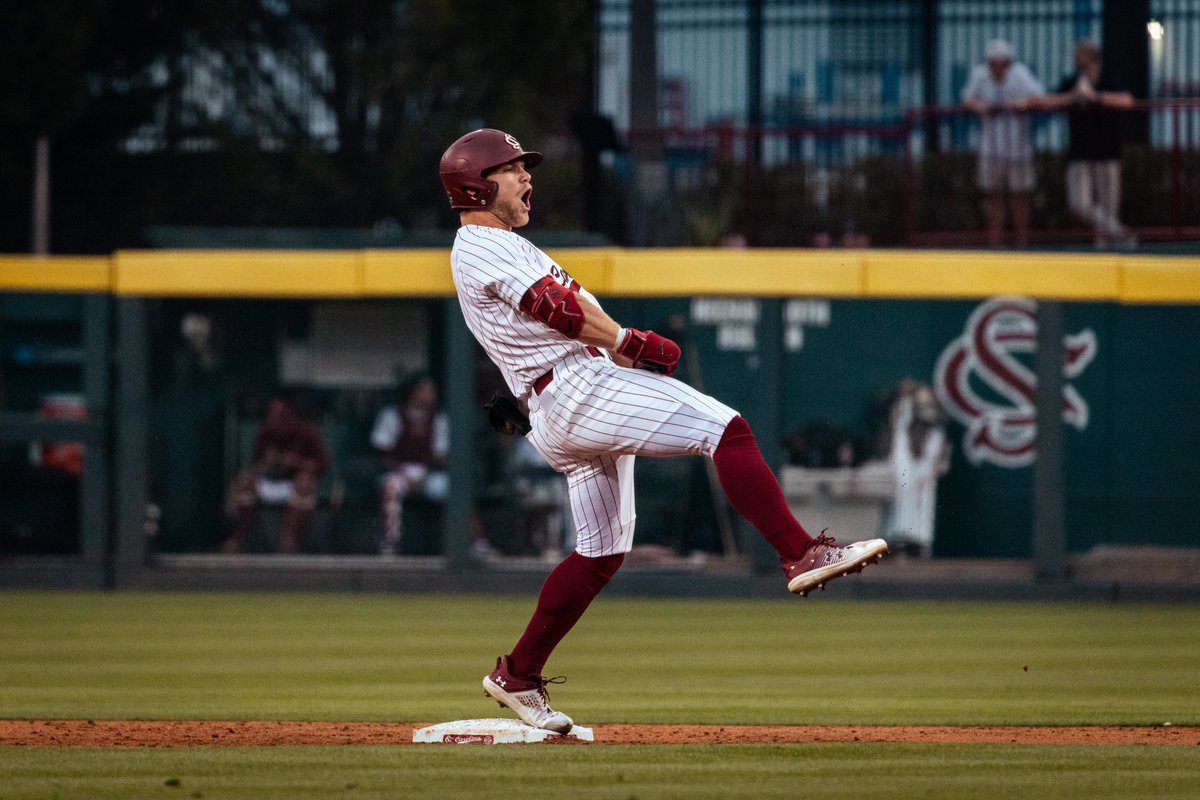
242 733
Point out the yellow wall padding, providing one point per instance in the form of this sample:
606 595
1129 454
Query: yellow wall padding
616 272
55 273
239 273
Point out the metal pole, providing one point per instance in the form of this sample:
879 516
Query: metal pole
95 521
1049 486
649 175
40 240
131 433
910 184
929 32
754 69
643 65
928 121
768 426
1127 56
463 417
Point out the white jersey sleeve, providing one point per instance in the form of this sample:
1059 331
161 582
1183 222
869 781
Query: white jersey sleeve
387 429
492 269
1023 83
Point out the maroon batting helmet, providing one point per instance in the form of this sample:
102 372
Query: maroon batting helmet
465 162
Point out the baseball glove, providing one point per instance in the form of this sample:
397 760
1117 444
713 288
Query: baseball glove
506 416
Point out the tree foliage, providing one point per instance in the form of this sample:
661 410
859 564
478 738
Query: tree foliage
268 112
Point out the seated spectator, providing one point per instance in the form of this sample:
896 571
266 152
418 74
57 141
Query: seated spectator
413 440
288 457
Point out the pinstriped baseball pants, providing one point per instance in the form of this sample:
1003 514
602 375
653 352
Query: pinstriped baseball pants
594 418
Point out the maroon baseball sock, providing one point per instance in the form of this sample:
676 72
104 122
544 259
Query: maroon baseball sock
568 591
754 491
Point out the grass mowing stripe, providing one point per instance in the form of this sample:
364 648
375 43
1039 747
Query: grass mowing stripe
830 771
420 657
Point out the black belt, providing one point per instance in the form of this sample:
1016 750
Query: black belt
542 382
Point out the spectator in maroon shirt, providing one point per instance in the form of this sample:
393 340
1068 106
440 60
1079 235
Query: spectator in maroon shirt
288 456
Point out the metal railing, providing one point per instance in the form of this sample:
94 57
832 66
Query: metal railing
910 181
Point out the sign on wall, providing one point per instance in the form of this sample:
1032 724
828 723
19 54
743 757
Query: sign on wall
983 380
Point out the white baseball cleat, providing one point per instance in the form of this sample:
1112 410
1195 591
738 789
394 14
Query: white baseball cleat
825 560
527 697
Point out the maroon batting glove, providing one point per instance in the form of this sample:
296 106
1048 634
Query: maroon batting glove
648 350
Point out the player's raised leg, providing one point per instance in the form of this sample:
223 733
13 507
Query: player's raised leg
754 492
648 414
665 417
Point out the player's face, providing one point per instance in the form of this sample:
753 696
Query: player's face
511 205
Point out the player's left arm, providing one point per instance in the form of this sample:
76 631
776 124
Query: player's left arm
576 314
599 328
629 346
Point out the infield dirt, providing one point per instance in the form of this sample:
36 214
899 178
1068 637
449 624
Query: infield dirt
210 733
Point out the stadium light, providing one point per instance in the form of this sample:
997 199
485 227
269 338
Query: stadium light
1155 29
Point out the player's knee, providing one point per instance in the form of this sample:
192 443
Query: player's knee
596 571
736 432
604 567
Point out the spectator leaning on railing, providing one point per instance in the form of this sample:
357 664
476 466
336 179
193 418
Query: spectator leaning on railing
1000 91
1094 108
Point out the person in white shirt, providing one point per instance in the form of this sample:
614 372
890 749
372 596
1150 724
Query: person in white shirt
1002 92
412 438
919 456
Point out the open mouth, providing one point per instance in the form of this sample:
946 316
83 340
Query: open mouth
525 198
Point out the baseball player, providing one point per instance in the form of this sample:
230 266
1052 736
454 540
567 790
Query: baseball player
598 394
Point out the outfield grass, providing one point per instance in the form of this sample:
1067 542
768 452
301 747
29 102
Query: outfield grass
419 658
830 772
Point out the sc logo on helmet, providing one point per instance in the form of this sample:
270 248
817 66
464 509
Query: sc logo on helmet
512 142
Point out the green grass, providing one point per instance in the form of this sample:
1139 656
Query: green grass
832 771
419 658
416 658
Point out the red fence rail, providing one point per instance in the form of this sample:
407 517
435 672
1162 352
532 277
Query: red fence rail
912 182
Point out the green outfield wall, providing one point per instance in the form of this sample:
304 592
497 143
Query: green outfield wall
793 339
1131 476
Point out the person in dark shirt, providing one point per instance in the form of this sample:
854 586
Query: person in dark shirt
1094 115
288 457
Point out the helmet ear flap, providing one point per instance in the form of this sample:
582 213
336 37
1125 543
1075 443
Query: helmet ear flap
477 193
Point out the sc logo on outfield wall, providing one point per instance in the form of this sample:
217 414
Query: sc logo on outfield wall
982 383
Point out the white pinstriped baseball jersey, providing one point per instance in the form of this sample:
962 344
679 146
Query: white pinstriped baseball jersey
492 268
594 416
